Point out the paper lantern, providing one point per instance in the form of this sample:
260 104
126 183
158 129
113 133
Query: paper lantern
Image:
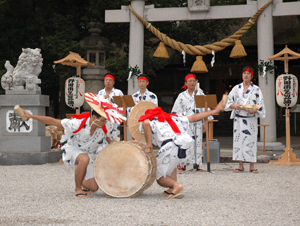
74 92
286 90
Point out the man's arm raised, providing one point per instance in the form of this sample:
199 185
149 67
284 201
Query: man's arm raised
44 119
202 115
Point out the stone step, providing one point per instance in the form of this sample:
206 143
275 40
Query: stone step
29 158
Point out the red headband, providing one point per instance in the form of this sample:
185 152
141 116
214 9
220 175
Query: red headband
161 117
143 78
190 76
186 78
249 70
109 76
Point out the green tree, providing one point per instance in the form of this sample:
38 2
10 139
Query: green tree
56 27
190 32
51 25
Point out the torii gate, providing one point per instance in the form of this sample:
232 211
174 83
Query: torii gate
265 44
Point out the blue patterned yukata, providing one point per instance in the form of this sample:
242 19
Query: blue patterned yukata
167 156
245 124
114 92
148 96
185 106
82 140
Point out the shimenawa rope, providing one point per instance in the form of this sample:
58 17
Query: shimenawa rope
206 49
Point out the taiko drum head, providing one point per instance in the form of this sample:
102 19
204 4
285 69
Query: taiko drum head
123 170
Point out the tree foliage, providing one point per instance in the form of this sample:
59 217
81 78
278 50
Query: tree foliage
56 27
119 63
190 32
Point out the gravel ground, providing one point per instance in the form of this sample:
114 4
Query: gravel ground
43 195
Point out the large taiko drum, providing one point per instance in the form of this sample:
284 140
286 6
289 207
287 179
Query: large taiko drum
123 170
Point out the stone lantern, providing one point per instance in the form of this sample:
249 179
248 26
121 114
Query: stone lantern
96 47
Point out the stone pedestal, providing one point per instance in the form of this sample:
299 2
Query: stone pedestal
94 81
21 142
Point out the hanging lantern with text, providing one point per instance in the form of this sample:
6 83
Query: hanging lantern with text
74 92
286 90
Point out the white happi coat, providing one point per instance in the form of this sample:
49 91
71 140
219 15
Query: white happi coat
185 106
167 156
148 96
116 127
245 124
82 140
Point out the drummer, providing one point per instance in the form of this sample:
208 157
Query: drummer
170 133
86 136
143 94
108 92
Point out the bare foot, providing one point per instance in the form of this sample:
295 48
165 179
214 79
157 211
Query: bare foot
254 170
177 188
167 192
238 170
181 169
81 195
176 191
86 190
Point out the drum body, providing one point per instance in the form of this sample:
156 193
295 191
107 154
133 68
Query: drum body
123 170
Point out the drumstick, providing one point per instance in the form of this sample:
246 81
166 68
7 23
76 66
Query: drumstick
147 150
18 109
117 139
224 98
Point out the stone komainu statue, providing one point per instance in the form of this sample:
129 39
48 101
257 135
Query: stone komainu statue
25 75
